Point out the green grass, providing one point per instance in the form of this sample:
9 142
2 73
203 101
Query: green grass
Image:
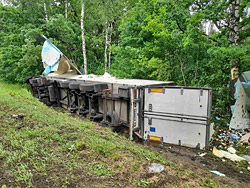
48 148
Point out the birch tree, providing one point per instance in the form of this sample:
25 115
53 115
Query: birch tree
83 39
108 36
234 20
106 46
66 9
110 40
45 10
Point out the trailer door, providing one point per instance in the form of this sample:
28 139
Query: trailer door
177 115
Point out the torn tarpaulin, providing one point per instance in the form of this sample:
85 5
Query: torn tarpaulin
53 59
50 56
240 117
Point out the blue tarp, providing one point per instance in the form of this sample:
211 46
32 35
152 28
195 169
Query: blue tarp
50 63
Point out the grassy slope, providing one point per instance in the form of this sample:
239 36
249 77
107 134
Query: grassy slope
52 149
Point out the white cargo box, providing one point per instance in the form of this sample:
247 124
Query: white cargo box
178 115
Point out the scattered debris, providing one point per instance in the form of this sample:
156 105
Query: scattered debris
218 173
156 168
231 150
218 153
226 142
234 136
225 154
245 139
19 116
225 138
247 158
217 118
203 154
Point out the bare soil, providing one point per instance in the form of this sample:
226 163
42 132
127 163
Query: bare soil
188 158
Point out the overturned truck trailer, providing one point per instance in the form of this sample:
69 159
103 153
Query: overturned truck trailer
153 110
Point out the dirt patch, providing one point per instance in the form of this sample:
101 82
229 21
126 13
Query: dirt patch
187 158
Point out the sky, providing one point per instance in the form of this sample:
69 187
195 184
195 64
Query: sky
2 1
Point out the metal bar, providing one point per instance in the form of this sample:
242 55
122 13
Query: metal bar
105 107
90 105
208 119
176 120
167 113
131 114
142 112
68 98
72 64
112 103
120 110
183 117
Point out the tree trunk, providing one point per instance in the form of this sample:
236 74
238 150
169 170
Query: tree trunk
182 72
234 20
110 40
106 46
45 10
197 66
66 9
83 40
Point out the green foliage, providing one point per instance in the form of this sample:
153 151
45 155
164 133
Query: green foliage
142 182
22 22
209 183
101 170
20 46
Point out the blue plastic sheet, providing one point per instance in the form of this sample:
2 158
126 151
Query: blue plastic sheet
49 47
235 137
217 118
218 173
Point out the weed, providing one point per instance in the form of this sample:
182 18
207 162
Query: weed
101 186
141 182
105 148
80 145
135 167
206 182
102 170
24 174
191 173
